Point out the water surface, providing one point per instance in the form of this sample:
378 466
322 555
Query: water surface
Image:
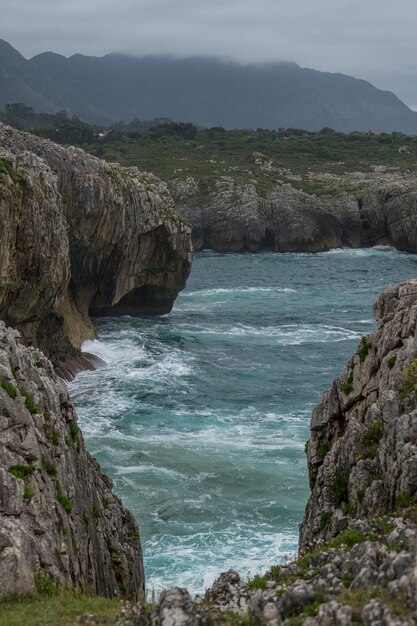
201 416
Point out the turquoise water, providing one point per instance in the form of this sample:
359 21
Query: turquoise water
201 416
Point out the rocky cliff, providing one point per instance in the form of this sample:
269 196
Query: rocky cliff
60 523
353 209
82 237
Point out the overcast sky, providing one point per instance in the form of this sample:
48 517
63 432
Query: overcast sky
371 39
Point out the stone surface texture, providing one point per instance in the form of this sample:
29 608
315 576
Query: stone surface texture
81 237
59 520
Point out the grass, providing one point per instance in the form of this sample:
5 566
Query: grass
29 402
259 582
348 537
21 471
409 380
372 436
347 386
391 360
74 430
60 609
364 349
9 388
357 598
341 488
49 466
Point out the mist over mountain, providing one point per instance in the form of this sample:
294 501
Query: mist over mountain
205 91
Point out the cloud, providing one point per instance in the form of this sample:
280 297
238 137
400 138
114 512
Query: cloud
373 40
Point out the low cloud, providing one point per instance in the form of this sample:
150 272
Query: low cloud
364 39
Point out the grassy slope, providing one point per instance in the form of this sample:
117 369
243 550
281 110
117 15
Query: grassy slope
58 609
214 153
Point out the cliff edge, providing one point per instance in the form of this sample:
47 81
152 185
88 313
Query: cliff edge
82 237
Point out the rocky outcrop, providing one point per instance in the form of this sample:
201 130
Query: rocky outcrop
362 455
353 210
60 522
82 237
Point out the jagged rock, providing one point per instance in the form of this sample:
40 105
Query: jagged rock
362 454
59 520
82 237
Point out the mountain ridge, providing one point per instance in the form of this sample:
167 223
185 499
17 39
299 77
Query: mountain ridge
203 90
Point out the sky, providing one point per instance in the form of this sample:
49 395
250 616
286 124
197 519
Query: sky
370 39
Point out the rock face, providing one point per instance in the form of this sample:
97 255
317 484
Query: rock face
82 237
60 523
363 210
362 455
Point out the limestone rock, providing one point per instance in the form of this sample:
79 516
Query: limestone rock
82 237
60 523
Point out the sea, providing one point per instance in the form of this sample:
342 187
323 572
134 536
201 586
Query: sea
201 416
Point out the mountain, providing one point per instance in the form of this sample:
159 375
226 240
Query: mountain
205 91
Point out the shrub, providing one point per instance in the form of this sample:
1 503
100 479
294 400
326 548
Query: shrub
29 401
374 433
9 388
96 512
259 582
45 585
375 367
325 519
322 450
275 572
404 500
364 348
341 488
348 537
74 430
21 471
409 379
63 500
391 360
28 492
49 467
347 386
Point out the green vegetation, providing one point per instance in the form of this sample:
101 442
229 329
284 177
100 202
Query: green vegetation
9 388
21 471
391 360
259 582
275 572
29 401
86 519
53 436
364 349
322 450
74 430
177 150
373 434
96 512
49 466
409 379
375 367
325 519
347 386
56 608
28 492
404 500
62 499
348 537
357 598
341 488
